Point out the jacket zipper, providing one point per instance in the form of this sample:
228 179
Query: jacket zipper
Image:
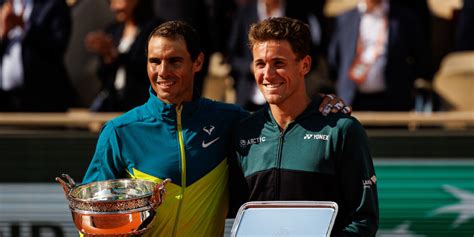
183 166
278 171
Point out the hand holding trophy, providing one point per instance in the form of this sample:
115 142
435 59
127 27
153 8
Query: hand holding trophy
118 207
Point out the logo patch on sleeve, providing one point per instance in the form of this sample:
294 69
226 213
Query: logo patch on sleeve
369 182
251 141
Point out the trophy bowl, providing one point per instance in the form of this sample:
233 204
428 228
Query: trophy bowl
116 207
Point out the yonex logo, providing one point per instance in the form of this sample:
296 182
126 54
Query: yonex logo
316 137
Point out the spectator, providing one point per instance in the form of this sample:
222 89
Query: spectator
34 37
288 150
377 51
121 48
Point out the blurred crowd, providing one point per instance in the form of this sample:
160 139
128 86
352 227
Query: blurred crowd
378 55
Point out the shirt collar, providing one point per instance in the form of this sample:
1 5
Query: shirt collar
312 108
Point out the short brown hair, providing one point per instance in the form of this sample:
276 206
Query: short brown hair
178 29
282 28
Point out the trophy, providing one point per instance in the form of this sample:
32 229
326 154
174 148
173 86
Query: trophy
116 207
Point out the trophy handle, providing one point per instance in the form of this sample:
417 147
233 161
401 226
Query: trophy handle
66 186
159 193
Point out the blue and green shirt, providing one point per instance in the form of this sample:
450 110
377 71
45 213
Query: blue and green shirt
189 144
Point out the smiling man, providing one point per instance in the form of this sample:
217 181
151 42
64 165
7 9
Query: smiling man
174 135
288 150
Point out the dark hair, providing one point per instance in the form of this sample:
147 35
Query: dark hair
282 28
179 29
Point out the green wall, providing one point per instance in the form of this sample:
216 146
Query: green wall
425 197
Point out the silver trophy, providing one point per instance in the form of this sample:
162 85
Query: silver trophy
117 207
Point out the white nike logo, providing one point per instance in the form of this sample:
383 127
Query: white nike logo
206 144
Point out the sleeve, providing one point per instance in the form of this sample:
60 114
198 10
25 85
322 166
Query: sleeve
357 180
238 188
106 162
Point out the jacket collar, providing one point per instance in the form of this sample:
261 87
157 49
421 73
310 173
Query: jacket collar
312 108
161 110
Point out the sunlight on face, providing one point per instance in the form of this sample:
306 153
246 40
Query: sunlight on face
171 70
278 74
